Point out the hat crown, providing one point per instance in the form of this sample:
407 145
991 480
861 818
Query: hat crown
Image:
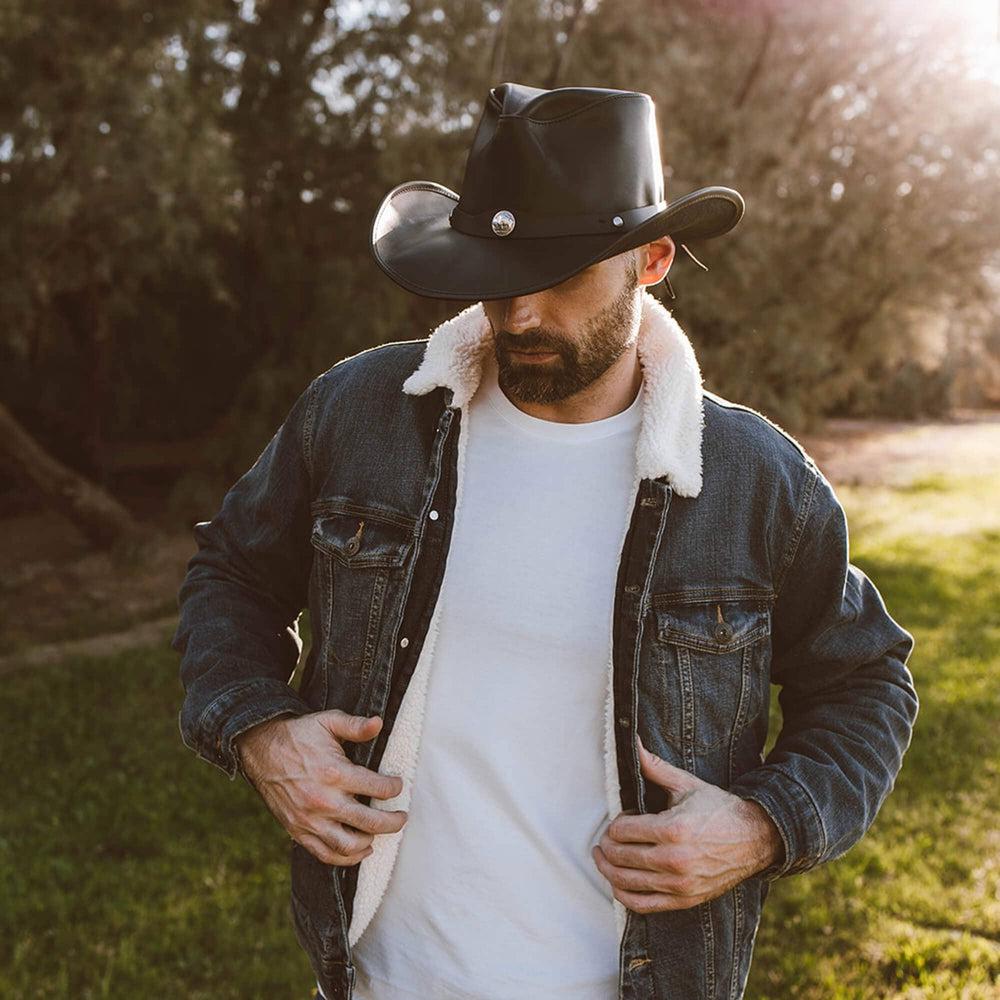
563 152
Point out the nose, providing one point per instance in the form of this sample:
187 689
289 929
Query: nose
521 313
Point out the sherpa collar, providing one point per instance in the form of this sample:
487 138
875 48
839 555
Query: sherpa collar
670 431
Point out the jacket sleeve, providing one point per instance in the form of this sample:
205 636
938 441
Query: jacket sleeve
242 595
847 696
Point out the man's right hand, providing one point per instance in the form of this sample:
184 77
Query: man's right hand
299 767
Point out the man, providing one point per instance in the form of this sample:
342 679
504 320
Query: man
550 578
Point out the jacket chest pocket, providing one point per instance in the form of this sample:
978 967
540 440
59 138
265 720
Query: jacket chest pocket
361 554
714 657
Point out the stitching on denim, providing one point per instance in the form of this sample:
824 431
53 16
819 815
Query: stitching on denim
816 811
729 404
329 506
236 693
307 433
708 935
738 900
792 549
668 598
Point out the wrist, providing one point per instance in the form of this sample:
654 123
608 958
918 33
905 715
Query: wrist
766 837
245 746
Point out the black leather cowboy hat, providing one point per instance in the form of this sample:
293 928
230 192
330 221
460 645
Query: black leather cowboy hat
555 180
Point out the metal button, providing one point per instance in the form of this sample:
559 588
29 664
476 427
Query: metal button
503 223
404 642
723 632
618 220
352 546
433 515
632 588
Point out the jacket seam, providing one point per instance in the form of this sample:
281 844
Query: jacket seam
819 817
308 428
792 548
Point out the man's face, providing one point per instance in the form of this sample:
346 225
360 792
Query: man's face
587 322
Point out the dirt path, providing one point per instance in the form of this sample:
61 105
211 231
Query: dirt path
153 633
891 452
56 590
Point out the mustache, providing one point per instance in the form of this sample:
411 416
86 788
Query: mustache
521 345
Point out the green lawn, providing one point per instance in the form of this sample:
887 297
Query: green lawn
131 868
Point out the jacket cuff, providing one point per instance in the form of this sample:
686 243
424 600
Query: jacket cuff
236 709
794 812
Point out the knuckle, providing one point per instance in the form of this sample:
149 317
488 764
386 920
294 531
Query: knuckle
327 856
677 831
312 801
357 815
336 840
635 881
353 841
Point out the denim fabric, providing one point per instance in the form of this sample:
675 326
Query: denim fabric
717 596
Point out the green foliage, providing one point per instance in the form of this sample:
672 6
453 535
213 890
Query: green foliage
187 192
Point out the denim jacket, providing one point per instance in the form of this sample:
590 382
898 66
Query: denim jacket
734 574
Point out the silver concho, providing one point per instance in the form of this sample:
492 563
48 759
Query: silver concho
503 223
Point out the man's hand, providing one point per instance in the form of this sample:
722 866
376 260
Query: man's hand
299 767
699 848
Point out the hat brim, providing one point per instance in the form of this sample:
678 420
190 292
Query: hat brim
414 243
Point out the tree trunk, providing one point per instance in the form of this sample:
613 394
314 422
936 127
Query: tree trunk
96 513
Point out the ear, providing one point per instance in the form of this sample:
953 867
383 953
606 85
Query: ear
654 260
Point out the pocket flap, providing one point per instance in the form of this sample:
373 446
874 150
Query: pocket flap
713 626
360 538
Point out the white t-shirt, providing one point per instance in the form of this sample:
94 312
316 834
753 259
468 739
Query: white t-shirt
494 894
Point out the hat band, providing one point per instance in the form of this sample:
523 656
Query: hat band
503 223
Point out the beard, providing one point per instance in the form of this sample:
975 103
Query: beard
606 337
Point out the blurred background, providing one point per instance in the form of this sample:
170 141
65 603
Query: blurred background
186 192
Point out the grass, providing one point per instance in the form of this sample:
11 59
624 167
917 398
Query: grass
129 867
913 910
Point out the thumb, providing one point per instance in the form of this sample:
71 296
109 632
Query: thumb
355 728
663 773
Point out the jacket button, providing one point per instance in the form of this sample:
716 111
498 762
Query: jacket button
433 515
352 546
723 632
623 721
404 642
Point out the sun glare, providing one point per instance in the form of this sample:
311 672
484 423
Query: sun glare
980 20
984 14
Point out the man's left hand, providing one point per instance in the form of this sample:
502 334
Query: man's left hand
699 848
